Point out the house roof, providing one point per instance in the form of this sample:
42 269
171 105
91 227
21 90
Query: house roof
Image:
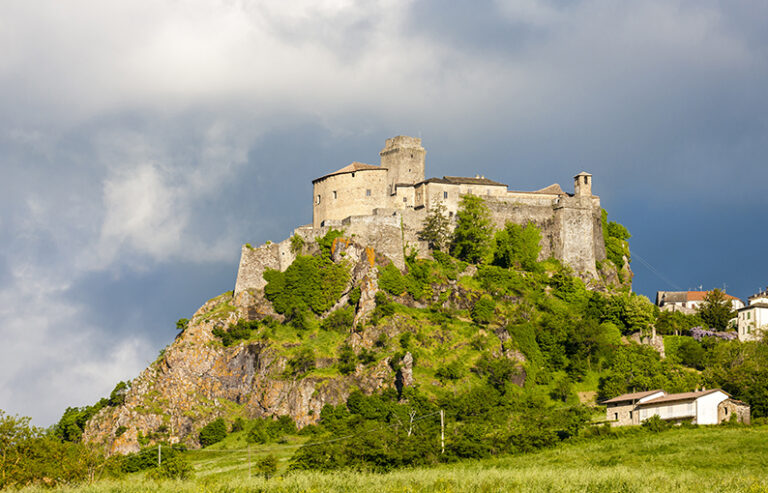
753 305
685 396
477 180
683 296
351 168
633 396
552 189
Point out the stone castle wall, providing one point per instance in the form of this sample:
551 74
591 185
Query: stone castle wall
571 230
348 194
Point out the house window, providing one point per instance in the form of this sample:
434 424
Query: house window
335 195
445 195
353 175
368 192
405 199
318 200
615 416
726 411
631 414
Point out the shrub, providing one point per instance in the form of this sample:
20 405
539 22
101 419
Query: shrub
267 466
340 320
302 362
326 242
451 371
120 430
237 425
483 310
391 280
182 324
176 467
354 296
347 360
655 424
213 432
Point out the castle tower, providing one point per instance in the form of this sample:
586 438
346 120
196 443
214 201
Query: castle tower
582 184
404 159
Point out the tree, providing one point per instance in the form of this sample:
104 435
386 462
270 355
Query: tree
436 228
474 230
517 246
267 466
213 432
716 311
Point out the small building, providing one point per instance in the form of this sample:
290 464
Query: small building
688 302
622 410
753 318
704 407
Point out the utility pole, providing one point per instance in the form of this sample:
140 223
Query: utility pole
159 457
249 461
442 431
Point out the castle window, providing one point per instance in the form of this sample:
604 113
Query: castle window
335 195
318 200
353 175
405 199
445 195
368 192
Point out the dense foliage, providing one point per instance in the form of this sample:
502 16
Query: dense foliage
717 310
616 245
474 230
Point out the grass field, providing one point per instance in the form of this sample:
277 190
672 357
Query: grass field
682 460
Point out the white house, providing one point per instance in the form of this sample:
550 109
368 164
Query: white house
753 318
705 407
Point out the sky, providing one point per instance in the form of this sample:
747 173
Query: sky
143 142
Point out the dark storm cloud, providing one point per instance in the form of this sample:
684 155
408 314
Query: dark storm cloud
142 143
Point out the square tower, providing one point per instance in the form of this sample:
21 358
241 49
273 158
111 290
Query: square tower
404 159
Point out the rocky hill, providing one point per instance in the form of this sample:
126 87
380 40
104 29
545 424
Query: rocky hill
341 318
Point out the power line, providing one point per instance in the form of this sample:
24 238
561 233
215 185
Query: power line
655 271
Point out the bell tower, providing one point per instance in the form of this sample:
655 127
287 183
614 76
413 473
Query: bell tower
582 184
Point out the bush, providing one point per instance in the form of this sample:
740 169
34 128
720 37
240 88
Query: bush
474 230
347 360
213 432
308 283
391 280
655 424
452 371
267 466
176 467
237 425
340 320
302 362
483 311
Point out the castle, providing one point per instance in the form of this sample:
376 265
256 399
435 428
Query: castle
385 205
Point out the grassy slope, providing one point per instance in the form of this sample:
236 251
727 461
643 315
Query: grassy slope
683 460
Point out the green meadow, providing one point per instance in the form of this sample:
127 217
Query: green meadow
721 459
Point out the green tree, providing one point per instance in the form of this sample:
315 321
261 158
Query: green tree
717 310
517 246
182 324
436 227
615 237
474 230
267 466
213 432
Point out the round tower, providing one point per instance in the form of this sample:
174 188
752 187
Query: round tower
404 159
582 184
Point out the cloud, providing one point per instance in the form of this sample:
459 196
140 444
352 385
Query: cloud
142 141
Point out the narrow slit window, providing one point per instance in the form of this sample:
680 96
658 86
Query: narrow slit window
368 192
445 195
335 195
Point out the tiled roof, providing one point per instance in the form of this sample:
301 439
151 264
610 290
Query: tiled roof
632 396
699 296
478 180
351 168
552 189
685 396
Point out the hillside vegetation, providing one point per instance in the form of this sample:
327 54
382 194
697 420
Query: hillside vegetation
346 363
